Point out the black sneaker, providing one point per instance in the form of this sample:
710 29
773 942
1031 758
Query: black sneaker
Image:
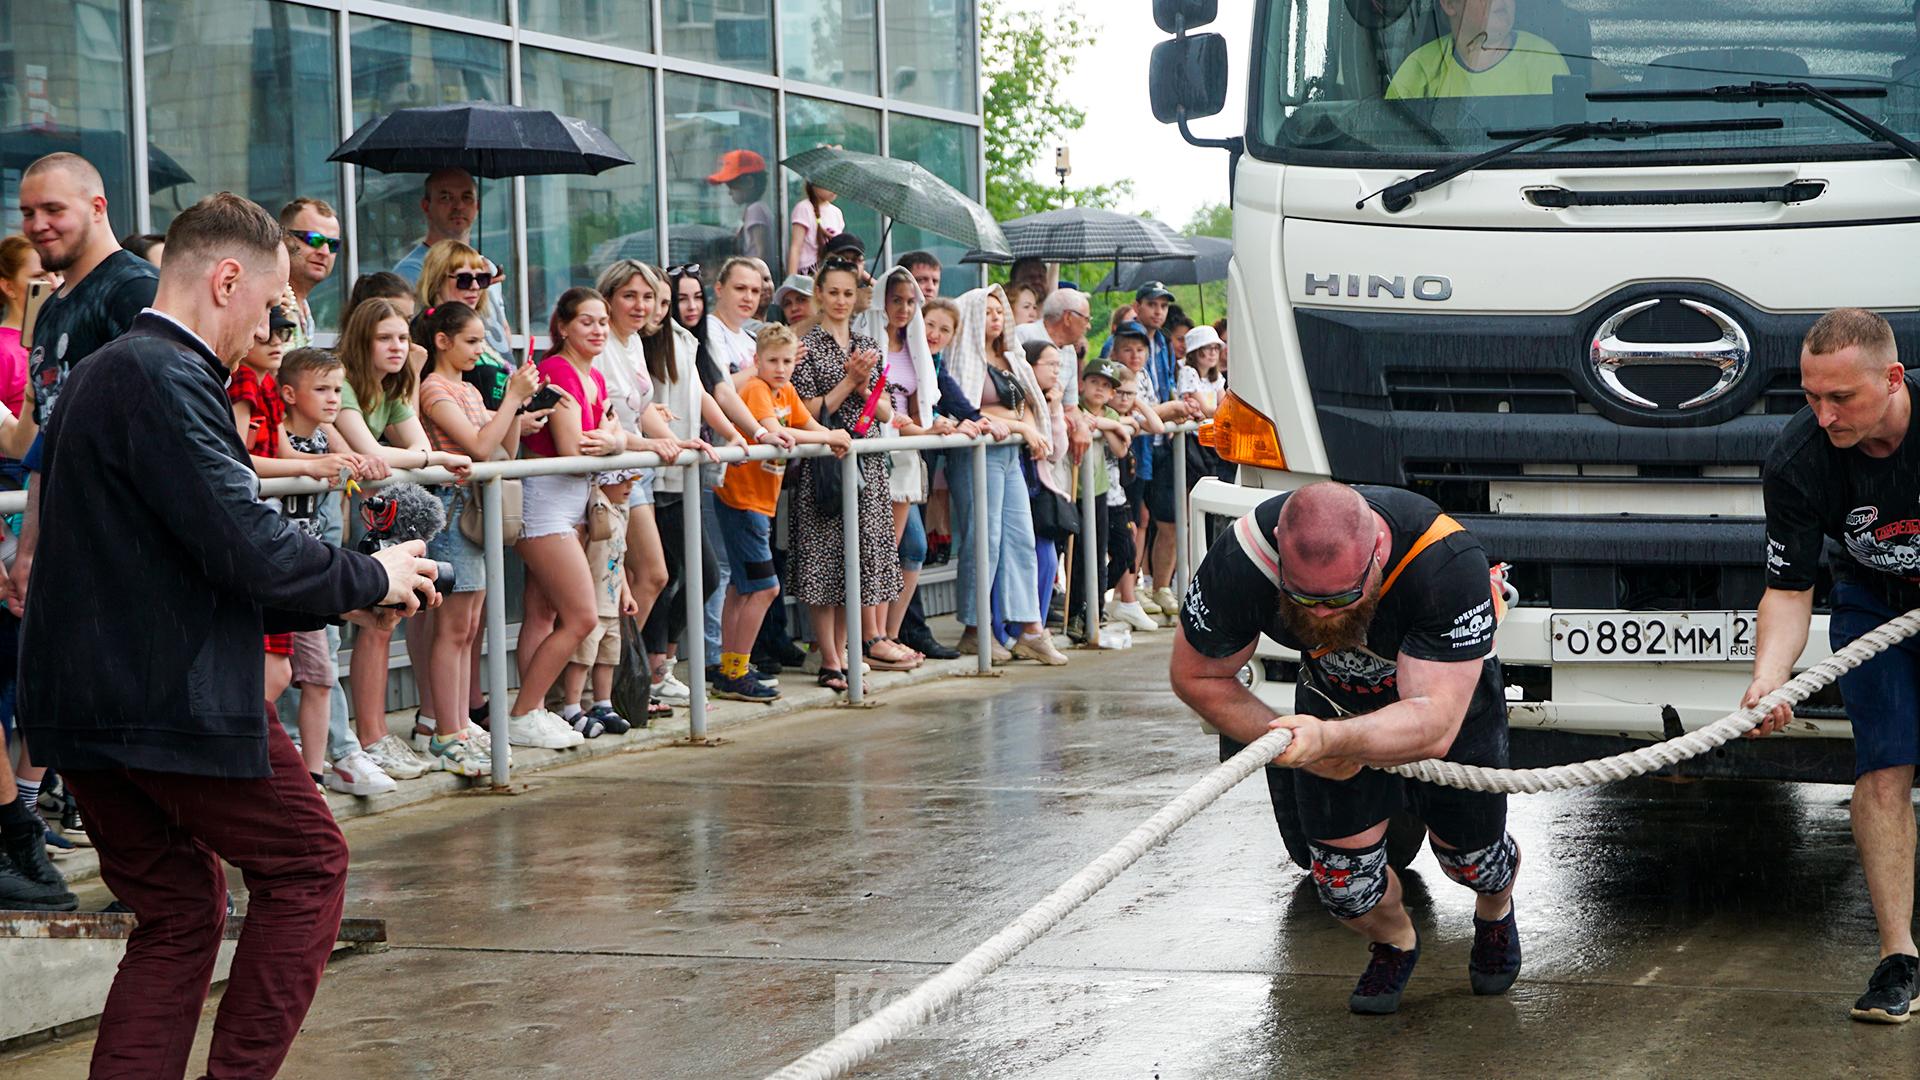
70 819
1890 991
613 722
744 688
28 881
1495 960
1385 979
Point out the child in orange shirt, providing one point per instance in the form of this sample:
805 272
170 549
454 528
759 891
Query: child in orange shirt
745 506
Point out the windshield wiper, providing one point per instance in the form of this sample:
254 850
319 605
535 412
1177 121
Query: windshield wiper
1397 197
1825 97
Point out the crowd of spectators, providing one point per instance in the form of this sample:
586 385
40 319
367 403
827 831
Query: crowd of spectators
421 371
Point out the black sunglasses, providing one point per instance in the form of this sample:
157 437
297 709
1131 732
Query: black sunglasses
316 240
471 279
1341 599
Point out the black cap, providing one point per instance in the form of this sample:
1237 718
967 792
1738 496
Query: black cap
1132 329
277 320
1152 290
842 242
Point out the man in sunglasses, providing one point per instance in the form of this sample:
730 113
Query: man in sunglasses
1389 603
450 203
313 244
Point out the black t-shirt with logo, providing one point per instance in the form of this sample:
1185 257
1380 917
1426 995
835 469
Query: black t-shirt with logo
1440 608
72 327
1869 507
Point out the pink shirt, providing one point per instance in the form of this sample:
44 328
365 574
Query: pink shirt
559 371
901 379
13 370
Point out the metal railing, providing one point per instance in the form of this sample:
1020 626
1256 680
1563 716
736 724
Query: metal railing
488 477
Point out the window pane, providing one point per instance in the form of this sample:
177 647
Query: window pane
63 87
930 53
576 225
830 42
490 10
396 65
719 146
812 122
627 23
246 91
737 33
950 152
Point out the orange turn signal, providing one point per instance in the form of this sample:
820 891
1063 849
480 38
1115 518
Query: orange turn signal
1241 434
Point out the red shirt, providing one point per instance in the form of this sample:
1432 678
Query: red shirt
261 394
560 372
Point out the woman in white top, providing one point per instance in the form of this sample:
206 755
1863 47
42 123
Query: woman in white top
815 221
637 300
736 300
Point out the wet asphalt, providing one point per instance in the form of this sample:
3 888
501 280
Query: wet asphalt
716 912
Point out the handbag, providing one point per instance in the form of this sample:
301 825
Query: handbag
601 518
826 470
473 524
1054 516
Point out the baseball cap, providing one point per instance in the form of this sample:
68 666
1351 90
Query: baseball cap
735 164
1108 369
839 242
1132 329
277 320
1152 290
795 283
1202 336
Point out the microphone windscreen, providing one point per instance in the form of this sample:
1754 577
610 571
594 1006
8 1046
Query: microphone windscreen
418 514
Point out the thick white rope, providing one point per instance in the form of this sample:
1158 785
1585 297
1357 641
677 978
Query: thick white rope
1582 774
839 1055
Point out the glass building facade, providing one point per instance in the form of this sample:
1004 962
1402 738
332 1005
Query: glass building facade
707 96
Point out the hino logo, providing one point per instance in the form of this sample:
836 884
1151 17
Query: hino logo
1430 287
1731 352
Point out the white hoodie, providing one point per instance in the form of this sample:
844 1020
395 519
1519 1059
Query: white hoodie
873 323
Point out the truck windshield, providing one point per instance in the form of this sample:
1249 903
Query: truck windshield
1377 82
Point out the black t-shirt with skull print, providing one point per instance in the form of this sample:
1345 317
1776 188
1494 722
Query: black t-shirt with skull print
1440 608
1869 507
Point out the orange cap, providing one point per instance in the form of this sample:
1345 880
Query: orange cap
735 164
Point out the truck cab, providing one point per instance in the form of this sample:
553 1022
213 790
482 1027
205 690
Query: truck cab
1565 301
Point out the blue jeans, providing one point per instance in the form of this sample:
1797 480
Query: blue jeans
913 542
1013 591
710 522
1882 696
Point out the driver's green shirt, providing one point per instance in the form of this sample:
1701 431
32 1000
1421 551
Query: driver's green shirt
1434 71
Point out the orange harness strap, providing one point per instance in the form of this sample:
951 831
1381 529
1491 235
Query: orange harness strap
1442 527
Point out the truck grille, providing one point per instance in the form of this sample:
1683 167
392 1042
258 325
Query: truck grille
1533 392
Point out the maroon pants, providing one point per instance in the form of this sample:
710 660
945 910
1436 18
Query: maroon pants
161 838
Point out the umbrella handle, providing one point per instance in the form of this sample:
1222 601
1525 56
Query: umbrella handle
880 249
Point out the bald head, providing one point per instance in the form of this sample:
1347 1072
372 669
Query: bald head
63 210
1326 530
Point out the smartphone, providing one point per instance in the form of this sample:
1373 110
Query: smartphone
37 293
544 398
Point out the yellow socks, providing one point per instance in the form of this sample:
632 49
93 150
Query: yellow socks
733 665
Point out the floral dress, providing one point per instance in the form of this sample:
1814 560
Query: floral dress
816 562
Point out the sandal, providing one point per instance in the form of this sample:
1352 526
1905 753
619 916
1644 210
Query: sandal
833 679
657 708
896 662
918 656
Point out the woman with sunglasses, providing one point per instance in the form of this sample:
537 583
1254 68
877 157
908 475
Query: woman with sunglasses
454 271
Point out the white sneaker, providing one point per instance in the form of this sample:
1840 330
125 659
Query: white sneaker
542 730
482 740
1146 601
461 758
672 690
561 728
397 759
357 774
1133 614
1164 598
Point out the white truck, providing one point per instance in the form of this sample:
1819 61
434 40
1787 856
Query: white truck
1564 299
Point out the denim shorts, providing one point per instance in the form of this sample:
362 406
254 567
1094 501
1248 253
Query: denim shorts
1882 696
451 546
642 490
749 542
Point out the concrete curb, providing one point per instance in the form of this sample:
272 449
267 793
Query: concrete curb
798 694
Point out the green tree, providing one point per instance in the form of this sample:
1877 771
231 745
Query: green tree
1025 56
1212 219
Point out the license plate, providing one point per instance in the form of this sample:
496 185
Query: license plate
1653 637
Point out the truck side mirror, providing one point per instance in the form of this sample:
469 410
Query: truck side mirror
1173 16
1187 78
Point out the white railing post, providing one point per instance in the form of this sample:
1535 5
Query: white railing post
850 561
498 705
1180 547
1090 547
694 582
985 635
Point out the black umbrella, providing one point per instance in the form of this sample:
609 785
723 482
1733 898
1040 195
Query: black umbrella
1213 253
22 146
1084 234
903 191
485 138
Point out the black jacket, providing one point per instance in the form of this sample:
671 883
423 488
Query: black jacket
159 568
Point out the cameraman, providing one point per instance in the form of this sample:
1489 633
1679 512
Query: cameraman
143 684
